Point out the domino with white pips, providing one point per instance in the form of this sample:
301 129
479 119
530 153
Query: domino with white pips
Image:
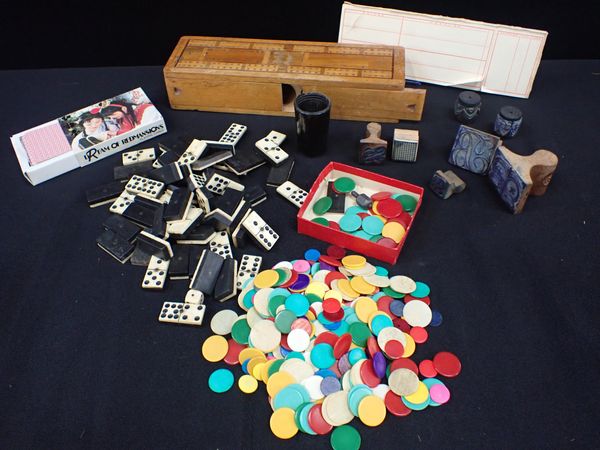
292 193
156 273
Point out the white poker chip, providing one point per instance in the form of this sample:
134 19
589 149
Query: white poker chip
313 386
367 269
335 409
283 265
222 322
264 336
298 368
403 284
417 313
388 334
403 382
252 317
261 301
320 275
377 280
381 390
298 340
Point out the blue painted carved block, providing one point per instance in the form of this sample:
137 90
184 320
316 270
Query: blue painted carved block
508 121
473 149
512 188
444 184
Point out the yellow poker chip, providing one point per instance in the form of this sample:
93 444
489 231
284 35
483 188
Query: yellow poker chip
354 261
332 293
247 384
410 346
254 362
282 423
215 348
372 411
360 285
394 231
346 289
317 288
310 316
383 219
375 314
266 278
264 370
364 307
374 207
278 381
249 353
420 396
257 370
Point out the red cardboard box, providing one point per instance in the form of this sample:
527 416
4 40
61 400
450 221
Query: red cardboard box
367 183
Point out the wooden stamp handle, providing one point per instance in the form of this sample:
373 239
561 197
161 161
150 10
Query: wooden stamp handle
373 130
544 165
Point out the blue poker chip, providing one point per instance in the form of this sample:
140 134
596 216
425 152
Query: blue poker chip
329 385
436 318
397 308
312 254
325 373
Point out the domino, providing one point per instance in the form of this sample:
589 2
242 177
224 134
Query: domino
180 228
229 203
102 195
203 196
143 155
144 211
139 257
293 193
279 175
200 234
126 172
122 203
178 265
473 149
516 177
233 134
245 161
179 204
276 137
249 267
116 246
220 245
195 181
225 287
192 153
182 313
144 186
218 182
194 259
154 245
169 173
156 273
206 273
275 154
122 227
262 233
215 153
254 195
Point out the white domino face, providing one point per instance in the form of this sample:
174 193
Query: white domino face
144 186
220 245
276 137
121 203
233 134
156 273
217 184
249 267
262 232
192 153
272 151
145 154
198 180
182 313
179 227
293 193
202 201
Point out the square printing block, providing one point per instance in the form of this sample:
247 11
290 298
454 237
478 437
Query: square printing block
473 149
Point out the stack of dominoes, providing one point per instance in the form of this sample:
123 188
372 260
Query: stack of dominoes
176 210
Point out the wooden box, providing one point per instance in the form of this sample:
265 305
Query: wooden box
364 82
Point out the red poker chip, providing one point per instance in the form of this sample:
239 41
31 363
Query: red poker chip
342 345
335 317
332 276
334 225
336 370
389 208
409 298
395 405
401 324
404 363
394 349
329 260
284 342
387 242
383 304
362 215
326 337
372 346
233 353
377 197
426 368
331 306
291 281
336 252
368 375
447 364
316 421
419 334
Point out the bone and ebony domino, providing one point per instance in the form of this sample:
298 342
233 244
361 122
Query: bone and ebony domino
206 273
156 273
269 146
292 193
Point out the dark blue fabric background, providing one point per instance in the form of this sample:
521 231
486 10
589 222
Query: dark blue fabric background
85 363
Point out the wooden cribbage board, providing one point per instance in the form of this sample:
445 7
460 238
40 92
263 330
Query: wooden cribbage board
364 82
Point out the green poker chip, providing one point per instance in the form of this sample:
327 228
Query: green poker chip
345 437
344 184
409 203
322 205
321 221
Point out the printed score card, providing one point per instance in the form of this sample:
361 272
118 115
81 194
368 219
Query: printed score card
449 51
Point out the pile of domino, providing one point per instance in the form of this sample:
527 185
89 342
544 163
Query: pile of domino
331 336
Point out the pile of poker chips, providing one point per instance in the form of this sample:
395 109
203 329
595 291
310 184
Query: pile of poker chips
331 337
384 223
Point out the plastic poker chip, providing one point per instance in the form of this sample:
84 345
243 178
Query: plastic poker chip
372 225
321 221
393 231
282 423
427 369
350 222
409 203
247 384
419 334
417 313
354 261
222 322
395 405
316 421
322 205
215 348
380 196
344 185
233 352
403 382
336 252
439 393
345 437
266 278
372 411
312 254
389 208
447 364
220 380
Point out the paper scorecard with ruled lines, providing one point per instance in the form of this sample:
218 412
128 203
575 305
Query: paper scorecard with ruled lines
464 53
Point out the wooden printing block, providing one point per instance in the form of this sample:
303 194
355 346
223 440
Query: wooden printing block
254 76
373 149
444 184
515 177
473 149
